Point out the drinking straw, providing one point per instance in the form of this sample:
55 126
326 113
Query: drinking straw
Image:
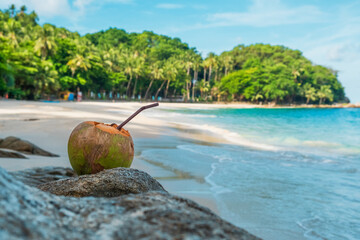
136 113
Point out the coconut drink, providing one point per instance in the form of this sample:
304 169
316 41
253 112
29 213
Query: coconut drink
95 146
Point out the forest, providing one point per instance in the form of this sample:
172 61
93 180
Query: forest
43 62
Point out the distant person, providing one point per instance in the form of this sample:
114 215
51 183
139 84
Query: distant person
79 95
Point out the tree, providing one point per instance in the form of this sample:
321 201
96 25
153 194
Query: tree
170 70
45 43
187 62
196 66
325 93
227 62
79 62
209 63
156 73
13 31
45 81
138 70
12 10
309 93
37 60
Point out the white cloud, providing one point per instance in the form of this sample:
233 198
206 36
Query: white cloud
265 13
340 50
50 8
169 6
54 8
81 5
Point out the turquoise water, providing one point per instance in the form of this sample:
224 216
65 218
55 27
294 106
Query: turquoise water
284 174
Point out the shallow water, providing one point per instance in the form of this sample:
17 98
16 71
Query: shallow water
286 174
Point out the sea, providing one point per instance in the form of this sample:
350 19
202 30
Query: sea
287 173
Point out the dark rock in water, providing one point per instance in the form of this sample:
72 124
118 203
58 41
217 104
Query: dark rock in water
108 183
6 154
29 213
23 146
37 176
31 119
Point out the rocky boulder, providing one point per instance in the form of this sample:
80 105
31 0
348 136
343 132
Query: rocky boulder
8 154
29 213
108 183
37 176
23 146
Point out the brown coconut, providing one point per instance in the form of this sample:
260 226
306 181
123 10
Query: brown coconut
95 146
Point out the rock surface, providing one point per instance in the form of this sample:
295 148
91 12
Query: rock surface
29 213
108 183
37 176
6 154
23 146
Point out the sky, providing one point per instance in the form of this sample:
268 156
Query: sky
326 31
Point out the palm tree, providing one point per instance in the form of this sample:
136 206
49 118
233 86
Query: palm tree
197 64
187 63
227 61
138 70
22 9
310 93
205 65
45 43
6 70
210 62
128 59
171 70
12 30
156 73
46 78
325 93
12 10
129 72
79 62
111 58
204 88
217 66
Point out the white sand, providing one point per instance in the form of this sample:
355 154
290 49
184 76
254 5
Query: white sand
48 125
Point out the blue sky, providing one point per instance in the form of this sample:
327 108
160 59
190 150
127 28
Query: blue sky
326 31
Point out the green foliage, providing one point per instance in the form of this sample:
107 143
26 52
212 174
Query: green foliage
40 61
278 74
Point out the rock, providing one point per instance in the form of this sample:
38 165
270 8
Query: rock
23 146
28 213
108 183
37 176
6 154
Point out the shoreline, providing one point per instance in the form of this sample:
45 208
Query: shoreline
49 125
201 105
159 136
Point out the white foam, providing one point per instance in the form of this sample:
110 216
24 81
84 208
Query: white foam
214 187
232 137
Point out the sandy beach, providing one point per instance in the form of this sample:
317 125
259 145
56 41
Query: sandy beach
49 124
264 170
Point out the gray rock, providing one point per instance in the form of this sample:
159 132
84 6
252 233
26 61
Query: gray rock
108 183
6 154
29 213
37 176
23 146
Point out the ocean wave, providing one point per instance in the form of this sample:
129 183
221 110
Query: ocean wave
308 226
232 137
167 114
217 189
321 144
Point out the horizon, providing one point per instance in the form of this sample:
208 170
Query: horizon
326 32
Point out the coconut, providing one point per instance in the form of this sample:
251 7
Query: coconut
95 146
